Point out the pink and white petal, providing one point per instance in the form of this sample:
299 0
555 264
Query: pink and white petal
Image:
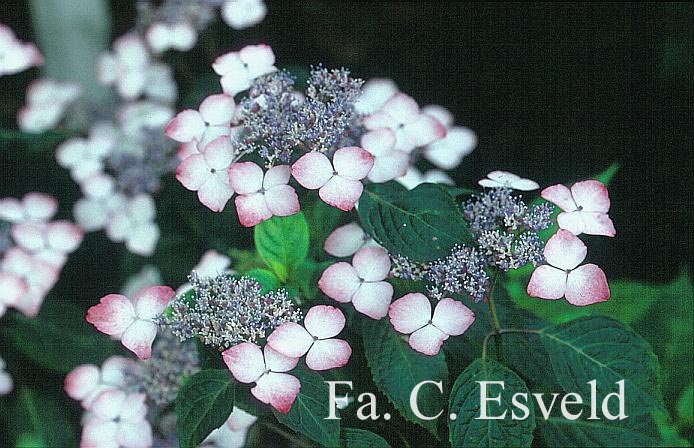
217 109
410 312
259 59
113 370
547 282
227 63
389 167
282 200
339 281
279 390
109 404
312 170
29 235
219 153
152 301
193 172
12 288
245 362
186 126
561 196
143 239
134 434
427 340
525 185
212 133
186 150
324 321
11 210
138 338
373 299
442 115
341 193
452 317
136 408
64 236
426 129
239 420
449 152
39 206
215 192
113 315
572 221
379 120
596 223
290 339
371 263
591 195
277 362
276 176
564 250
352 162
345 240
235 82
328 354
81 381
98 433
252 209
246 177
402 108
379 141
374 94
587 285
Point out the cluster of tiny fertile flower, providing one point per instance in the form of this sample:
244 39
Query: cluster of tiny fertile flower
225 311
276 118
162 375
506 228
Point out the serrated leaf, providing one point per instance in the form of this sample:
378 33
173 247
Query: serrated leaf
309 410
203 404
465 401
397 369
360 438
282 242
603 349
422 224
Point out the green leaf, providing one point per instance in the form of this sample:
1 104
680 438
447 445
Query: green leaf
202 405
633 431
397 369
608 174
603 349
282 243
685 406
267 279
422 224
465 400
309 410
41 420
359 438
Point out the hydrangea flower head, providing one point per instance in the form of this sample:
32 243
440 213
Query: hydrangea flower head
584 207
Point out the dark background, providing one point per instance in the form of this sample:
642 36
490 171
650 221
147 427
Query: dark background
555 92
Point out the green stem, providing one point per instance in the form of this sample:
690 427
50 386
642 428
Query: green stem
502 331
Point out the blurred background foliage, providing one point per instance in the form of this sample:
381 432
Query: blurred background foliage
554 92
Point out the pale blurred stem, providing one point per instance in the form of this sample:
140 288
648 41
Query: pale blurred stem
297 441
70 35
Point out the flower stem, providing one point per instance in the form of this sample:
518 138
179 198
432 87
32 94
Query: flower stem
492 306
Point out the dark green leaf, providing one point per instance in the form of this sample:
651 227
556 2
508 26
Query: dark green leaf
203 404
469 431
307 414
559 431
267 279
359 438
397 369
282 243
422 224
41 420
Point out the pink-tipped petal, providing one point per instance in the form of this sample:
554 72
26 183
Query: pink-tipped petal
324 321
328 354
564 250
373 299
425 130
547 282
402 108
312 170
561 196
260 56
339 281
187 126
245 177
39 206
389 167
410 312
217 109
81 381
371 263
29 235
352 162
452 317
597 224
219 153
193 172
276 176
138 338
378 142
427 340
277 362
252 209
279 390
245 361
345 240
215 192
152 301
591 195
109 404
290 339
12 288
113 315
586 285
449 152
64 236
228 62
282 200
341 193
